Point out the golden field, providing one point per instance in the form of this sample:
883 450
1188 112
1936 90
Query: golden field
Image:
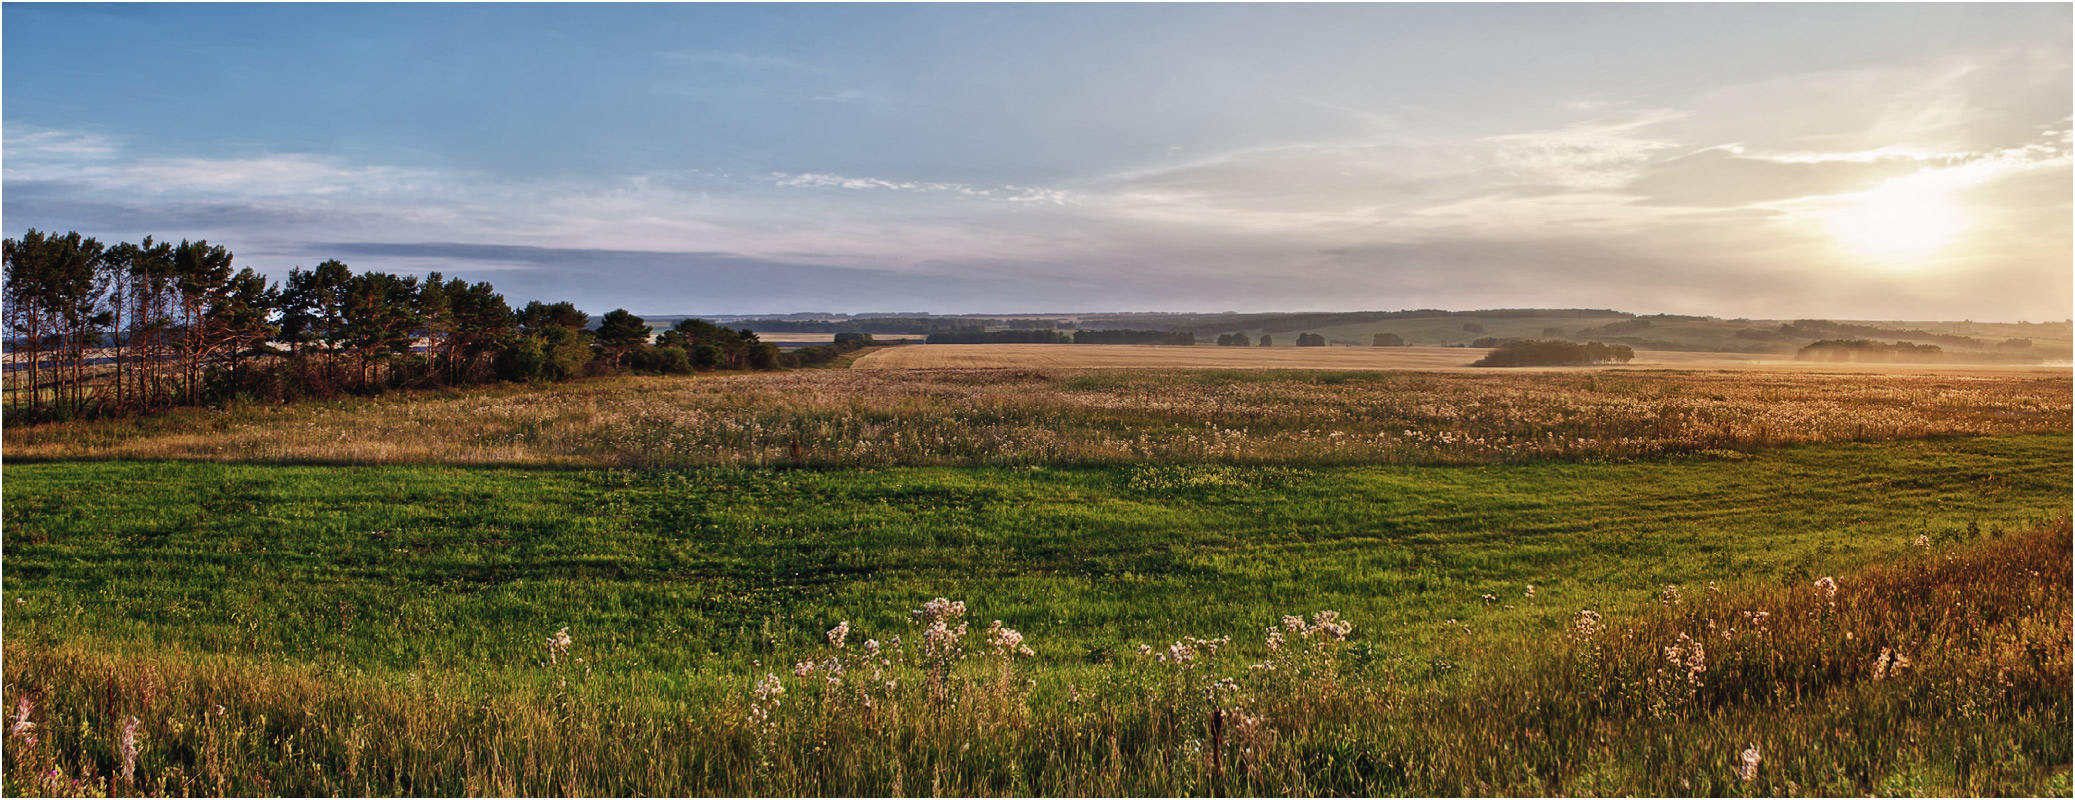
875 417
1098 356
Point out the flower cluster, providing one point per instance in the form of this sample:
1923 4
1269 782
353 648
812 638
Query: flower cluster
764 699
1586 625
1826 590
1323 624
1007 641
1688 659
558 646
943 625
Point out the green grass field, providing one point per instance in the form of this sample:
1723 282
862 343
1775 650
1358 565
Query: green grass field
215 627
389 567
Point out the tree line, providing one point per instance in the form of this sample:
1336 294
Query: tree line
1127 336
140 327
906 324
1868 350
1043 336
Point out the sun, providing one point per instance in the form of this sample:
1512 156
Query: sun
1901 219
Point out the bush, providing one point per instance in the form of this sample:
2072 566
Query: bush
666 360
1549 353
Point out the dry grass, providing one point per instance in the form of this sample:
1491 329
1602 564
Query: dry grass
1100 356
1943 674
882 417
1091 356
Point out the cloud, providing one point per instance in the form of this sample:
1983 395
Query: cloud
820 180
1719 177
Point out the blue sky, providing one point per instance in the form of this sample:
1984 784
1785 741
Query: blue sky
1864 161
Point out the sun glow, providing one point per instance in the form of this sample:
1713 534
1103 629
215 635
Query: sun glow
1901 219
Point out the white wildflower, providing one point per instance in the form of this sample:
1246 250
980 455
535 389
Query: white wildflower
1747 764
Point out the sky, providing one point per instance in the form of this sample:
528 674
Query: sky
1772 160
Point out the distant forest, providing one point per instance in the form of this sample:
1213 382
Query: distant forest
100 330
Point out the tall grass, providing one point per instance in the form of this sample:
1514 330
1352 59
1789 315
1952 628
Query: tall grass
953 417
1945 671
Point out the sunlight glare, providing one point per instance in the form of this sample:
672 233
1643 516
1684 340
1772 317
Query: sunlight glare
1901 219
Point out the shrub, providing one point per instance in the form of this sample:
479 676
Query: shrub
1548 353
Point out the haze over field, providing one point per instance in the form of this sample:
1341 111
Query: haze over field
1864 162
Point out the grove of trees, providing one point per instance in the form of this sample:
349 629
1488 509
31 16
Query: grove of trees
1869 350
1548 352
139 327
1387 340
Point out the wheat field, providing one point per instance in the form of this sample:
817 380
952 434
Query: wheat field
1102 356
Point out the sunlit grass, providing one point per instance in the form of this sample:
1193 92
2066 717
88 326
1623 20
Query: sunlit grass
883 418
1940 671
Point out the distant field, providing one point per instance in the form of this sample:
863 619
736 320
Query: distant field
825 338
1098 356
878 417
1090 356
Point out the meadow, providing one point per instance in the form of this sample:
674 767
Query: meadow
863 417
1158 582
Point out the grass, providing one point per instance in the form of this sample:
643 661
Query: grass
384 619
1007 417
1939 672
467 568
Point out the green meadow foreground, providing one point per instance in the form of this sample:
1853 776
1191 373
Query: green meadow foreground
1646 583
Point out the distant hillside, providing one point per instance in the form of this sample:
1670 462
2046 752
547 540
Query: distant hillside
1965 340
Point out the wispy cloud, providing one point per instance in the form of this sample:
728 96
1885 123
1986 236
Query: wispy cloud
1012 192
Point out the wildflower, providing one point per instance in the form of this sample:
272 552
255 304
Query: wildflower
1530 590
1669 597
1747 764
871 647
803 669
1688 655
129 749
558 645
1586 624
1922 540
1007 641
1889 663
1826 587
21 725
939 609
1326 623
769 688
838 634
